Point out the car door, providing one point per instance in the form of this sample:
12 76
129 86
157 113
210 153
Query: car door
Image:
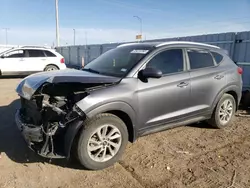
207 79
36 60
165 99
12 62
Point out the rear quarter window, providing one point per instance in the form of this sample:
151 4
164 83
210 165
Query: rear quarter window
218 57
49 54
200 59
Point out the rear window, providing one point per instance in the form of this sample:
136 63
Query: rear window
36 53
200 59
49 54
218 58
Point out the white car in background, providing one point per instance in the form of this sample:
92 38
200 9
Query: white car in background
27 60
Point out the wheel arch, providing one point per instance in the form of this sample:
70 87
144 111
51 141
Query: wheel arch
234 94
52 65
120 109
232 90
127 120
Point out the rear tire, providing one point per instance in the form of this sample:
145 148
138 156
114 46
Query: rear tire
102 141
51 68
224 112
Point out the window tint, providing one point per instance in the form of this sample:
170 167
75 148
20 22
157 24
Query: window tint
218 58
169 61
36 53
49 54
200 59
15 54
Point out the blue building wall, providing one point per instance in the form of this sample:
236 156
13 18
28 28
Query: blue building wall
237 45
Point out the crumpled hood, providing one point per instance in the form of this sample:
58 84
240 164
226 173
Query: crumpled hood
28 86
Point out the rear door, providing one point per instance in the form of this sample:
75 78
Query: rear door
207 79
36 60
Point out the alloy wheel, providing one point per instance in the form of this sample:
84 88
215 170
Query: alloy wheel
104 143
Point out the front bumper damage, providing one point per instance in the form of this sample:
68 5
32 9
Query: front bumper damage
47 136
37 141
49 117
30 132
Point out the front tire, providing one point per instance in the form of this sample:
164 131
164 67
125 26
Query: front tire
102 141
224 112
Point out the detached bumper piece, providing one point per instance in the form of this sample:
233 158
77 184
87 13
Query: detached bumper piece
35 138
30 132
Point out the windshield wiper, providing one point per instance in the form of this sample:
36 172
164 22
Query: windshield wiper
91 70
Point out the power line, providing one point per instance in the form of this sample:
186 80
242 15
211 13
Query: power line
205 25
154 10
138 8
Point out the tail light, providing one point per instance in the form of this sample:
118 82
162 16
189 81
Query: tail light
240 70
62 60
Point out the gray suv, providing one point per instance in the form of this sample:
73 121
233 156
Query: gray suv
127 92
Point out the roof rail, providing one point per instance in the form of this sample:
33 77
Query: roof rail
186 42
34 47
126 44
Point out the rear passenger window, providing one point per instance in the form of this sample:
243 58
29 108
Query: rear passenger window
49 54
169 61
200 59
218 58
36 53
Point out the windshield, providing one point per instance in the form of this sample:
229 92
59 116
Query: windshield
119 61
4 51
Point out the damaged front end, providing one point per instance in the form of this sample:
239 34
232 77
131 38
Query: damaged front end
44 119
48 110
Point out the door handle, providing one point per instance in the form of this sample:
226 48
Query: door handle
21 60
182 84
218 77
44 59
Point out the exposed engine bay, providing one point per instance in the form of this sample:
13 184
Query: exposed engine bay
48 114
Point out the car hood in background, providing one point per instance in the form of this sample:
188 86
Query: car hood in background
28 86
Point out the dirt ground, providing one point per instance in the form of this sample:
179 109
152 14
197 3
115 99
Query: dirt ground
194 156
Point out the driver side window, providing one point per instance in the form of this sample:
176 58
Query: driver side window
169 61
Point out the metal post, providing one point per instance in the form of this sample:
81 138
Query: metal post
233 46
140 20
57 25
86 41
74 37
6 35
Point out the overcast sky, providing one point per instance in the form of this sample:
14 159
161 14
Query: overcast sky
32 22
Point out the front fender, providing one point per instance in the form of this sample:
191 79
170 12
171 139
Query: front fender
75 126
71 132
119 105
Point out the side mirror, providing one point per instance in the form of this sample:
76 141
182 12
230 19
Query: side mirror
2 56
151 72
